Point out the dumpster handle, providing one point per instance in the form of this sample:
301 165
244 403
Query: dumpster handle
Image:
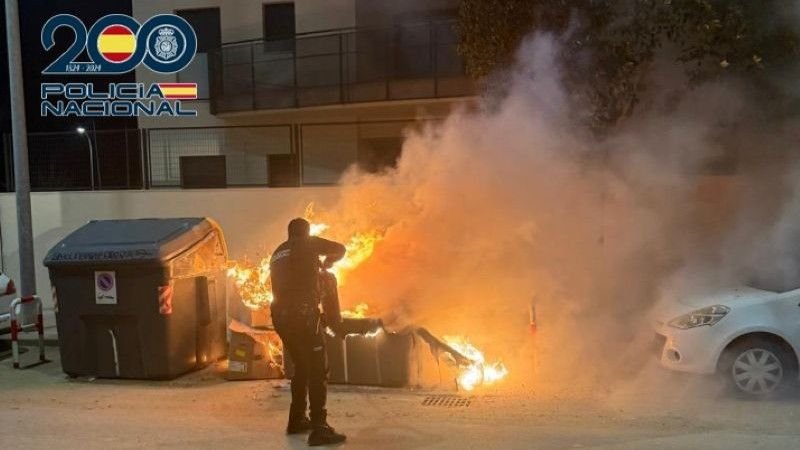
220 236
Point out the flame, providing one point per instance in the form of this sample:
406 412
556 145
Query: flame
316 228
359 247
373 334
275 354
252 282
359 312
479 372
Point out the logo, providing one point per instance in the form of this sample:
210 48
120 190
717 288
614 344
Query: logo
118 100
166 44
118 44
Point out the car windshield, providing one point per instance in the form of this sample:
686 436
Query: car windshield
777 281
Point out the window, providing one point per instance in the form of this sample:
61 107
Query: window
278 21
378 154
206 24
328 150
413 41
279 27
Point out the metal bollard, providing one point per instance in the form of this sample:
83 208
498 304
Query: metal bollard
17 327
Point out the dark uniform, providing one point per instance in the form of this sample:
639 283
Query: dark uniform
294 269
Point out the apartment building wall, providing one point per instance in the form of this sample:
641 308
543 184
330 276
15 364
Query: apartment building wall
382 13
330 135
239 20
242 19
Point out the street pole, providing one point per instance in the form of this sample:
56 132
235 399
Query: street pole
19 135
96 157
82 132
91 158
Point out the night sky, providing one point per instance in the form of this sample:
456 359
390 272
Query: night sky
33 14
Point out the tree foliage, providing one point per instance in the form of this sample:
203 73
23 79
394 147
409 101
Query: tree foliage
610 45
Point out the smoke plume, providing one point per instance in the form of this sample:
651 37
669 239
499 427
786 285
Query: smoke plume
509 202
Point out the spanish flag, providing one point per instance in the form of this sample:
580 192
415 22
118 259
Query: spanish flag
179 91
116 43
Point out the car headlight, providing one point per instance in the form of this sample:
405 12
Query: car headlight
705 316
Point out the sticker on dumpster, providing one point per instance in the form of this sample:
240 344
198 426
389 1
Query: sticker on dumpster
165 299
237 366
105 288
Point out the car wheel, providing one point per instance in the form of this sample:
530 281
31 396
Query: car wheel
757 367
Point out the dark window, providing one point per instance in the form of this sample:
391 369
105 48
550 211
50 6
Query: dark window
278 21
203 172
206 26
279 26
378 154
414 42
282 171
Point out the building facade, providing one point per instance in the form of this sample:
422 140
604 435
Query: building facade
294 93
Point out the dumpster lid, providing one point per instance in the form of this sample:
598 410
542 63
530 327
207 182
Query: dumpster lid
129 241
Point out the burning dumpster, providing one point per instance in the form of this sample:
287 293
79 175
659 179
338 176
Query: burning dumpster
359 349
140 298
366 353
376 359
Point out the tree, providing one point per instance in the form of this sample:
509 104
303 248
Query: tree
615 42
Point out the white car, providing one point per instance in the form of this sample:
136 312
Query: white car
748 335
6 288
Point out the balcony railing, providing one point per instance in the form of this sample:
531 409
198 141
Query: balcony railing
409 61
277 155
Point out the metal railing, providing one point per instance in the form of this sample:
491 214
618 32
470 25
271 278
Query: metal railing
304 154
408 61
245 149
62 161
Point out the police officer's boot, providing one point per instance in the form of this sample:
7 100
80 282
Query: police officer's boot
298 422
322 433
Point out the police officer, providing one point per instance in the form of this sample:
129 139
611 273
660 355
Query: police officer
294 269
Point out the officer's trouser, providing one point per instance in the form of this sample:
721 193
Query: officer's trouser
306 347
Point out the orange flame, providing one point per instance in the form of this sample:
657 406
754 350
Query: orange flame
359 247
359 312
275 354
479 372
252 281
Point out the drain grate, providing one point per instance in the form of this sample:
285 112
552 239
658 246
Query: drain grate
448 401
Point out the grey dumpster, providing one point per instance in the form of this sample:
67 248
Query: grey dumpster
141 298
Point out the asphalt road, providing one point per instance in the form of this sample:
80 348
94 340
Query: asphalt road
42 409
